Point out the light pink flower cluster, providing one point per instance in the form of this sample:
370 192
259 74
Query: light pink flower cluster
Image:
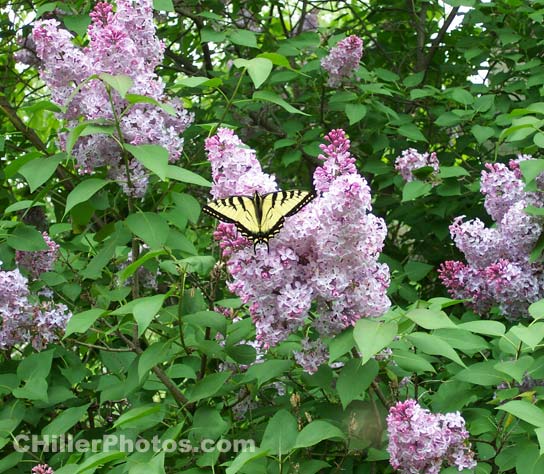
42 469
325 257
343 59
41 261
411 160
420 442
497 269
22 320
121 42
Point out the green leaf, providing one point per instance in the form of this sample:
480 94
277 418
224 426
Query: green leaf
316 432
155 466
244 458
525 411
129 270
489 328
99 459
145 310
153 157
372 336
243 38
536 310
434 345
35 388
163 5
538 140
531 335
38 171
430 319
412 132
208 386
452 172
38 364
531 169
481 373
516 369
27 238
280 434
208 35
462 96
414 190
354 379
150 227
199 81
481 133
270 96
407 360
207 319
136 414
355 112
83 192
81 322
413 79
22 205
258 69
143 99
65 420
121 82
416 271
540 436
266 371
77 23
185 176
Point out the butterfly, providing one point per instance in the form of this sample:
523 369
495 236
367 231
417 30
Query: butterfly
259 217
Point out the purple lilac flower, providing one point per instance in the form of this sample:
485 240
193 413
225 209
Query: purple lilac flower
42 469
420 442
23 321
343 59
498 270
411 160
325 255
40 261
121 42
312 355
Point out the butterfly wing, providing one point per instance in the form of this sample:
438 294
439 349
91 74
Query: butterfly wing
237 210
275 207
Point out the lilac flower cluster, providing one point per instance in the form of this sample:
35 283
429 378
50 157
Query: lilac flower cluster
42 469
498 270
121 42
411 160
23 321
420 441
343 59
324 258
41 261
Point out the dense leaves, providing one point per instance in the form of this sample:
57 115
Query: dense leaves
117 312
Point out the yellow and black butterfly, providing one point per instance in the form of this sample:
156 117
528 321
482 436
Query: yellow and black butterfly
259 217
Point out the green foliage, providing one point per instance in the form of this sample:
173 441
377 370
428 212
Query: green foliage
162 360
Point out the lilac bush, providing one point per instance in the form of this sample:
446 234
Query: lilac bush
498 270
322 264
121 42
42 469
41 261
420 442
26 319
411 160
343 59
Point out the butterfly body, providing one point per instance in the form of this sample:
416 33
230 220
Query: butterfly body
259 217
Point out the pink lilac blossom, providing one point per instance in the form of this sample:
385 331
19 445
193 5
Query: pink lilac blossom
324 257
41 261
121 42
343 59
411 160
23 320
498 269
42 469
420 442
